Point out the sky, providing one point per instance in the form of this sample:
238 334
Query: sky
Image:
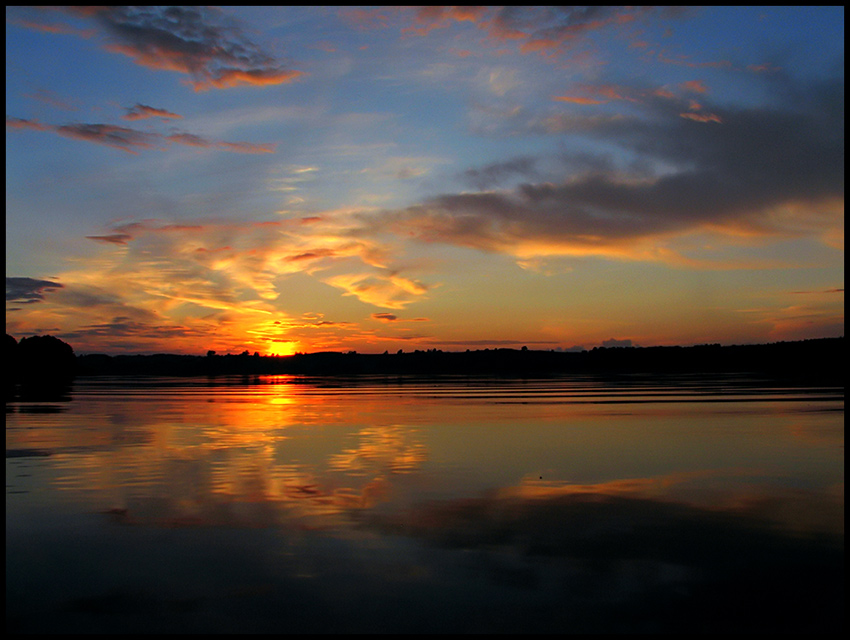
303 179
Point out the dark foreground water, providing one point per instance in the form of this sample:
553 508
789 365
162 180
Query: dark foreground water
285 505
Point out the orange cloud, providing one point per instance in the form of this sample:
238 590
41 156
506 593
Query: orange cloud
606 93
54 28
23 123
246 147
432 17
702 117
142 111
578 100
763 68
367 18
227 78
696 86
382 290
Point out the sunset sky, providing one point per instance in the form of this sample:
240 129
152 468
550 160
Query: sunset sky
282 179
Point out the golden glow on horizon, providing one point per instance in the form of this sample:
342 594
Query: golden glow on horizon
282 348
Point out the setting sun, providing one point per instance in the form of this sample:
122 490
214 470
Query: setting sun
282 348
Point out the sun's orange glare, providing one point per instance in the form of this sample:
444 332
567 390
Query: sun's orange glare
282 348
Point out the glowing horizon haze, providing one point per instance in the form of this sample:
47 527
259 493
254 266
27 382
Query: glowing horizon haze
282 179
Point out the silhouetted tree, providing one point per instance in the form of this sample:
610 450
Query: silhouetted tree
44 358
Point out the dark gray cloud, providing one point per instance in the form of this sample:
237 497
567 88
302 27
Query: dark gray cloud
731 174
28 290
126 327
496 173
202 42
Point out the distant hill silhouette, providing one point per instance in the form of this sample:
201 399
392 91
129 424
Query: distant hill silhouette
814 360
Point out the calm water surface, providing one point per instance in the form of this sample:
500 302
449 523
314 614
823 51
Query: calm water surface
568 505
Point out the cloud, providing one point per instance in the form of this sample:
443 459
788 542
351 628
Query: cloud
432 17
142 111
24 123
114 136
367 18
192 140
131 140
28 290
694 86
380 289
218 279
495 173
578 100
56 28
227 78
820 291
52 99
387 317
110 135
702 117
548 31
113 238
201 42
763 172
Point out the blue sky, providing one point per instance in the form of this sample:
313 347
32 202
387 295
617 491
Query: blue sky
285 179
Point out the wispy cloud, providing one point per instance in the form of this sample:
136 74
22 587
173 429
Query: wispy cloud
578 100
53 27
380 289
143 111
53 99
547 31
695 86
132 140
112 238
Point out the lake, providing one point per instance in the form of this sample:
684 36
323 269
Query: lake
283 504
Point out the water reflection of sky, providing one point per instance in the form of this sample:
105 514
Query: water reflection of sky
424 491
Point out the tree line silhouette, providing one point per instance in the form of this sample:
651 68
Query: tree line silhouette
46 359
